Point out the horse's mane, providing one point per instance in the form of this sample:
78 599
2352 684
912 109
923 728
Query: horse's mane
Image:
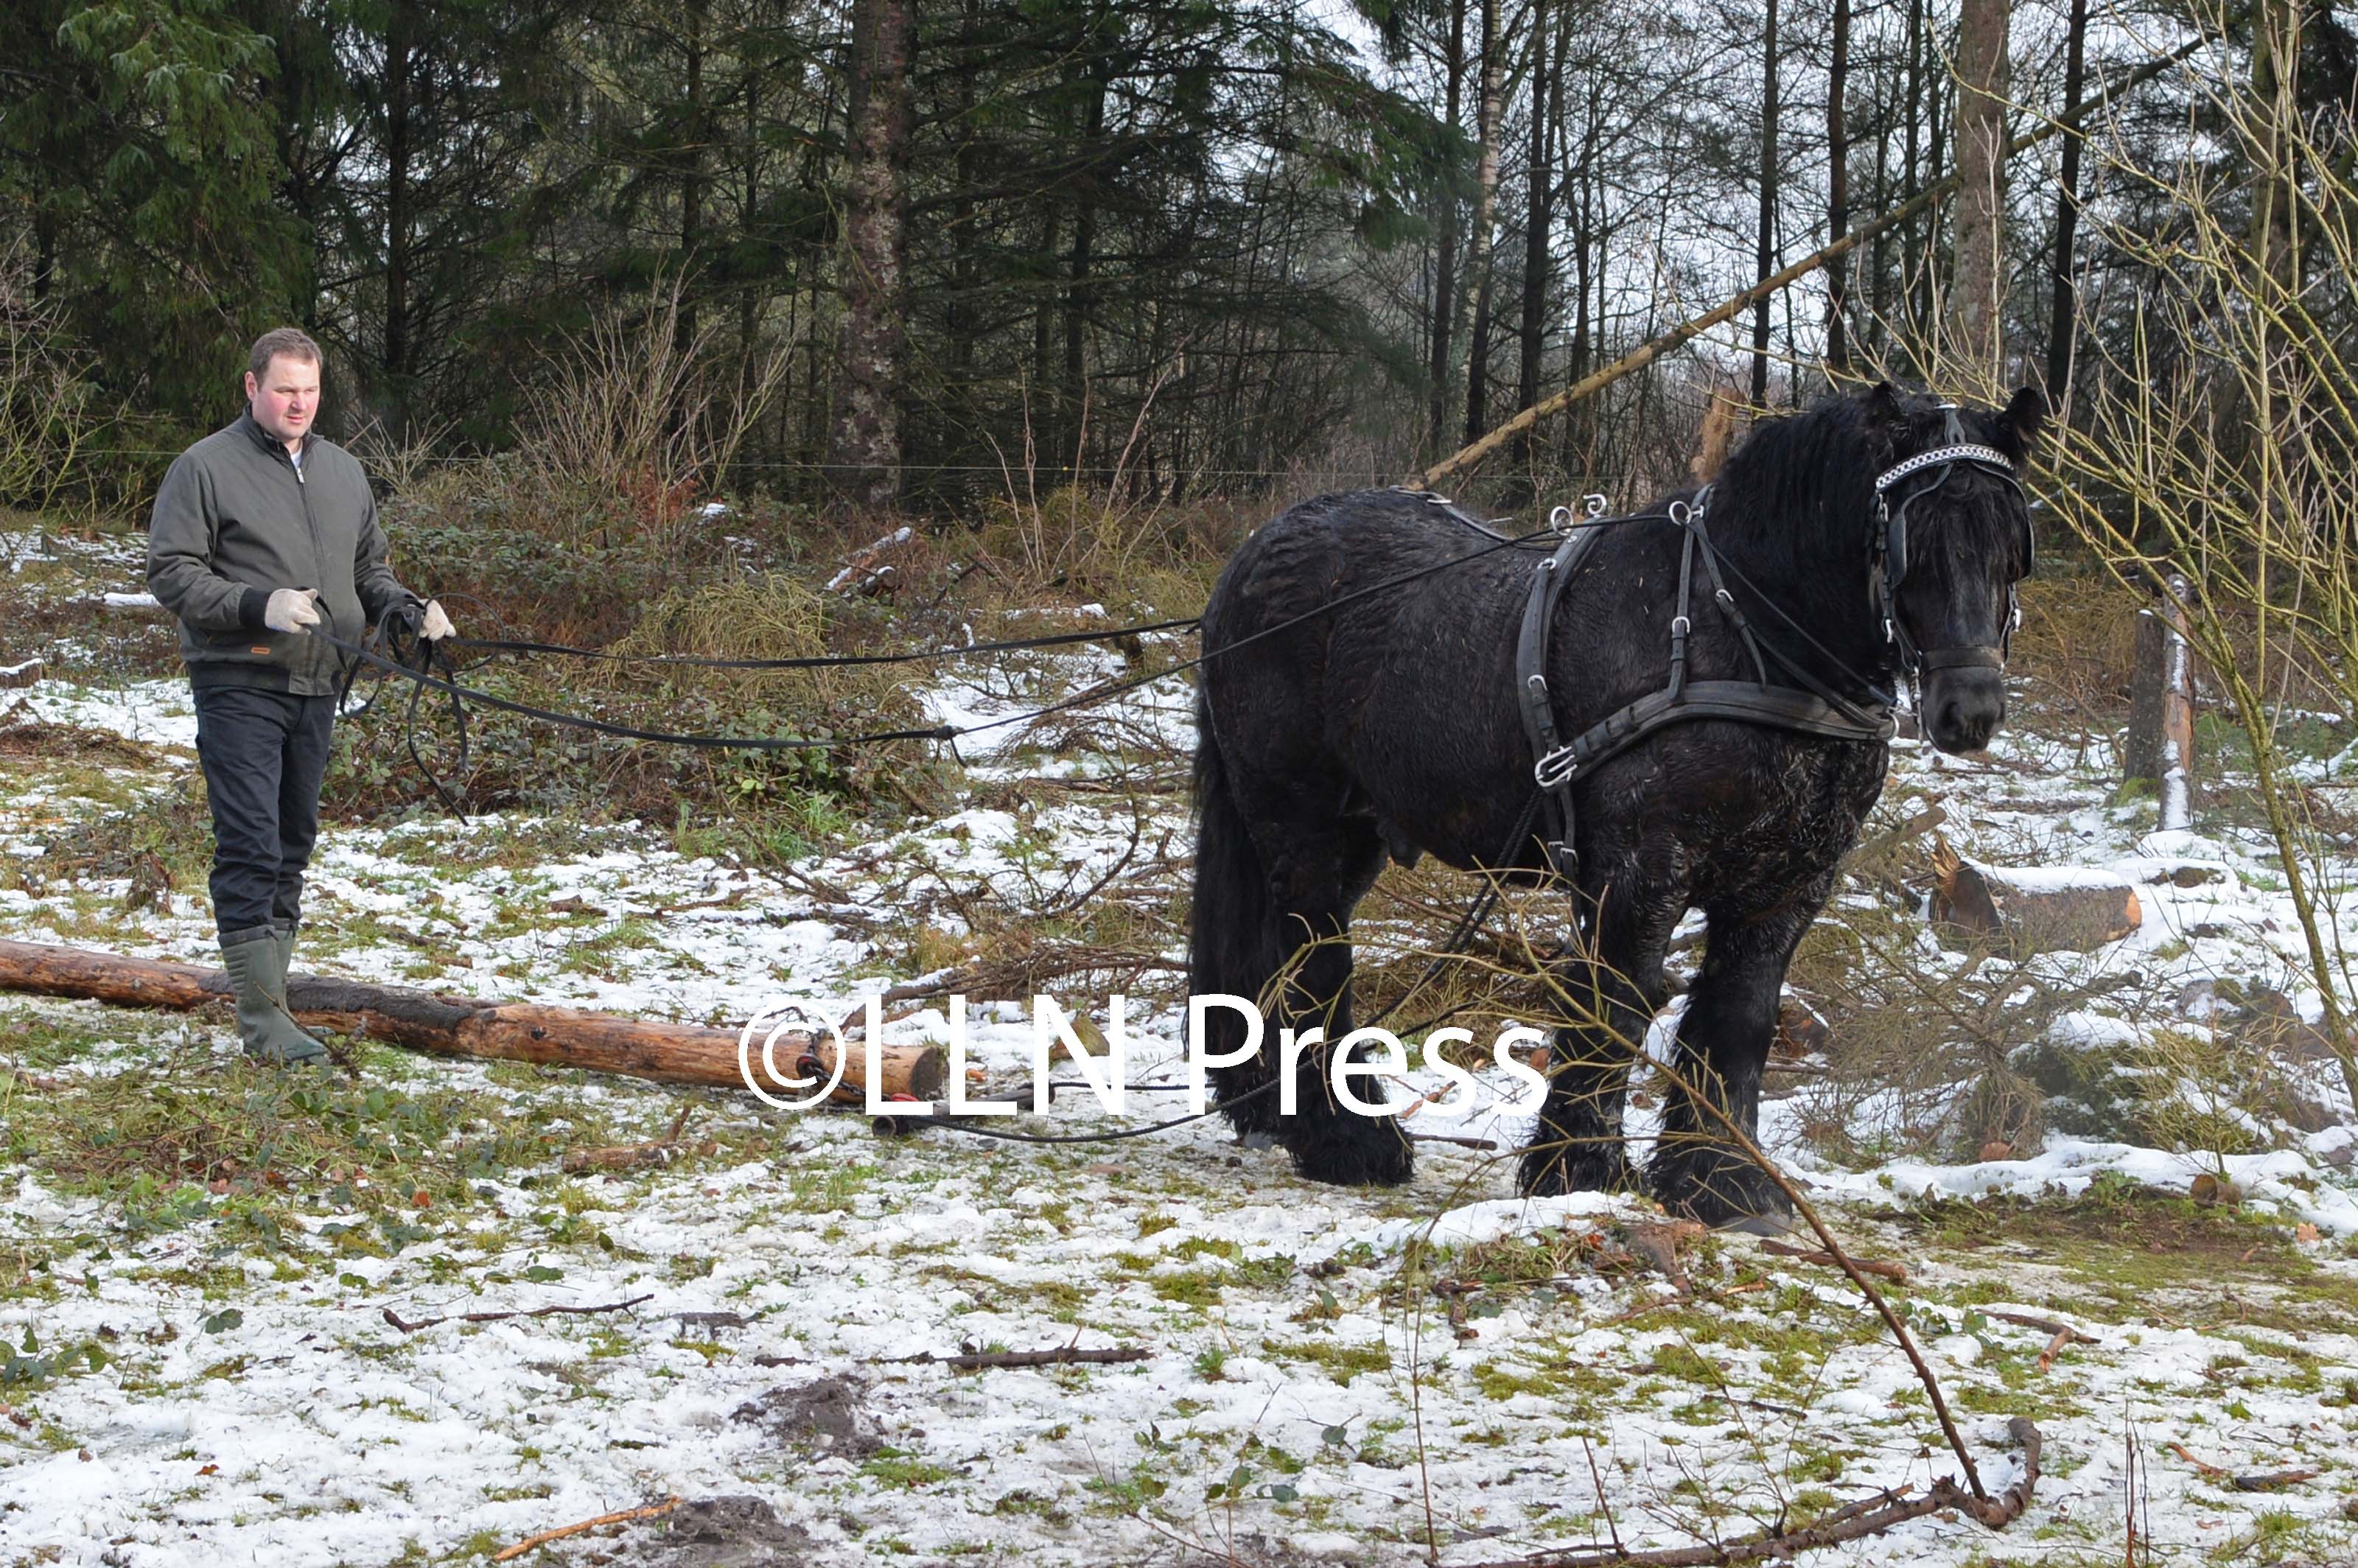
1795 490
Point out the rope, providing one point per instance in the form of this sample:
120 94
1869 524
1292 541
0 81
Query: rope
841 661
424 678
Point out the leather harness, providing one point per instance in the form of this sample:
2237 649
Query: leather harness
1815 711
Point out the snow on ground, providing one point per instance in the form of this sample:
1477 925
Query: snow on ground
212 1373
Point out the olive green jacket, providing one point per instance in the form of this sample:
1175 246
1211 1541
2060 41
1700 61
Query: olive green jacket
234 519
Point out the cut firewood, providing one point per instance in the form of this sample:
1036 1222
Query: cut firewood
2032 909
1877 1266
448 1025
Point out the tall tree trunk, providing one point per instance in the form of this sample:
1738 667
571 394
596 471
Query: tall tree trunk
1913 247
1547 104
2064 328
1976 313
694 132
1765 250
867 438
399 153
1838 189
1486 213
1444 267
1078 294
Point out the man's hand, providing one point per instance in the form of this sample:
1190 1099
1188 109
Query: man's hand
291 610
437 626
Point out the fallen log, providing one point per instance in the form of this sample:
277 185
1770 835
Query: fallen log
447 1025
2033 909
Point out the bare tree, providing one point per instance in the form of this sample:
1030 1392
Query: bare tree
1975 328
2063 330
1838 186
1477 247
1765 252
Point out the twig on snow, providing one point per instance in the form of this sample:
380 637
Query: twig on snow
407 1326
653 1510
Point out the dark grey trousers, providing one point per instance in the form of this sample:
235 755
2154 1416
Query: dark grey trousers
264 755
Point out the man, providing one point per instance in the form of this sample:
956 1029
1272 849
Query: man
261 533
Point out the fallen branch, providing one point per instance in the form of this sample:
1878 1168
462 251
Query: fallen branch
407 1326
1875 1266
1064 1355
2272 1481
628 1516
2062 1334
449 1025
1871 1516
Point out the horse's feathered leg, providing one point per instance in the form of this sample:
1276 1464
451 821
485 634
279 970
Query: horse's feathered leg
1723 1040
1316 879
1607 1000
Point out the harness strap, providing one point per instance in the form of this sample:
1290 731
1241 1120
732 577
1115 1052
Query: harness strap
1531 686
1819 710
1777 708
1697 533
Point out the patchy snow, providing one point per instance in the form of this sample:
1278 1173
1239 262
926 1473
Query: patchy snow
1300 1398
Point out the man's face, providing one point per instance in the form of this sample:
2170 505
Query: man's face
286 397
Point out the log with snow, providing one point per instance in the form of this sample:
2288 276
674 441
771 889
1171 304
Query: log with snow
2036 909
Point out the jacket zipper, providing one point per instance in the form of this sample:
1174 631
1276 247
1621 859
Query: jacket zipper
311 527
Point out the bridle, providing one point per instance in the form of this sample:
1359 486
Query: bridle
1888 550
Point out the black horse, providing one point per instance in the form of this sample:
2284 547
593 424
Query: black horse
1388 724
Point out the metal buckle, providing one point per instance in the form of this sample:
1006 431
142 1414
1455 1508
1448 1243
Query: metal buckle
1560 522
1679 512
1553 771
1681 626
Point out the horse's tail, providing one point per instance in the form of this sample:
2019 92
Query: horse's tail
1232 938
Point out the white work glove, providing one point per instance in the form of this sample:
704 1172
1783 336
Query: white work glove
437 626
291 610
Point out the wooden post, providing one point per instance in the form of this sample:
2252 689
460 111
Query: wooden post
2160 750
467 1026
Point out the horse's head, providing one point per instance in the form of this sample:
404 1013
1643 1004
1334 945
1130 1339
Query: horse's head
1949 538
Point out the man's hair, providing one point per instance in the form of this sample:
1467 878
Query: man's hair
291 342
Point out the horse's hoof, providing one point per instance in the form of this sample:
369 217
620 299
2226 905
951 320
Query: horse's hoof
1354 1162
1256 1139
1551 1174
1774 1226
1723 1190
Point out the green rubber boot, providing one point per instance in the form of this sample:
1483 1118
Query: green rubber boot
259 985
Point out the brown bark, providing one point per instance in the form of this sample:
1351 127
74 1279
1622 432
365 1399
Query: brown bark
461 1026
2027 916
1486 206
866 448
1976 290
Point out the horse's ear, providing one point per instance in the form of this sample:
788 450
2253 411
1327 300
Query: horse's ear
1887 418
2023 420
